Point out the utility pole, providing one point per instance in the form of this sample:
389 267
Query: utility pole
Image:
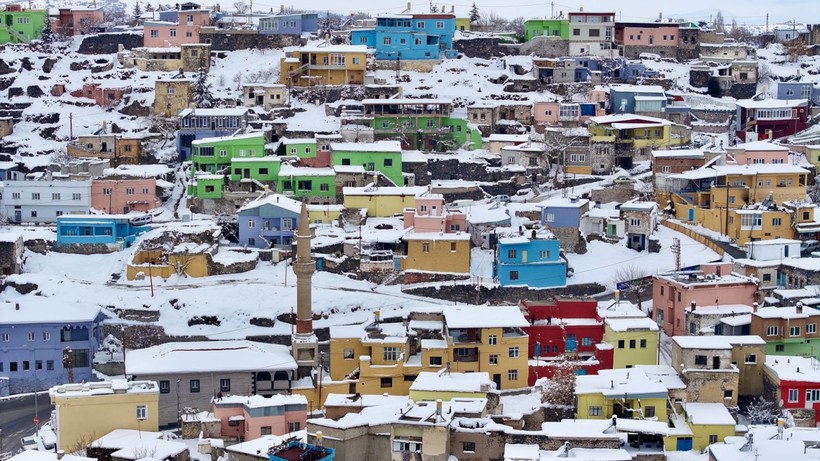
552 10
767 22
71 125
179 413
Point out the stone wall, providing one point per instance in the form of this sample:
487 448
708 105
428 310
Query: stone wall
231 40
110 43
416 65
634 51
546 47
86 248
480 47
216 268
571 239
331 94
499 295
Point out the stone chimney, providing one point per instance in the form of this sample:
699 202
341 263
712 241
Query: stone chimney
799 308
694 306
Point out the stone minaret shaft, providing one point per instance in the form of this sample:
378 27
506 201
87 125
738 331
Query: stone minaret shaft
304 267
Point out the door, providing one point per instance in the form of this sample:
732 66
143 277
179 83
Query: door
104 147
684 443
18 216
126 210
524 256
786 251
691 214
497 380
716 363
572 343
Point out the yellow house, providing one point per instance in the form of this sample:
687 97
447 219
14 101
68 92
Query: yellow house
324 214
381 202
623 392
159 263
629 133
634 340
463 24
437 252
444 385
721 199
324 64
386 357
87 411
709 423
171 96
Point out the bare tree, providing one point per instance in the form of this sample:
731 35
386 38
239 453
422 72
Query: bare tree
240 7
560 389
558 143
761 411
632 279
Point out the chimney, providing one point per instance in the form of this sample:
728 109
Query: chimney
769 134
799 307
520 230
533 234
377 315
17 306
694 306
438 407
612 384
754 307
60 454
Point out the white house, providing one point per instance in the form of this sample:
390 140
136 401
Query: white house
43 201
774 249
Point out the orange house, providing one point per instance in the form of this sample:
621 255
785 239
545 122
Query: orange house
248 418
116 196
79 21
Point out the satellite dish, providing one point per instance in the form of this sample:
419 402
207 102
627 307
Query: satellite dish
781 403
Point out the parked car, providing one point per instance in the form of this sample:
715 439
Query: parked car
808 247
623 180
502 198
29 443
48 437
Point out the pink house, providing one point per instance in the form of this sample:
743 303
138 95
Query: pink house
757 152
116 196
556 113
713 284
175 28
248 418
431 215
647 34
79 21
103 95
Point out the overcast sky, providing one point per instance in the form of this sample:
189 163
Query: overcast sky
746 11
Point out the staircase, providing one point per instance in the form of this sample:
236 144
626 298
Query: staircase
19 36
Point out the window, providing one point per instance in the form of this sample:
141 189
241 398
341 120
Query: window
324 187
576 32
165 387
425 247
55 196
35 196
420 25
76 196
771 330
455 227
439 24
388 162
388 41
154 33
172 32
777 221
129 191
750 359
453 246
16 195
108 191
23 20
621 344
194 386
402 41
649 411
287 223
251 223
225 385
512 254
142 412
586 341
26 365
643 344
266 430
30 336
33 213
727 394
512 375
12 366
811 328
49 365
294 427
635 222
549 217
391 354
435 361
493 359
544 254
468 447
713 439
594 32
632 343
386 382
38 364
513 275
348 354
513 352
749 221
406 446
595 411
700 360
492 340
46 336
794 331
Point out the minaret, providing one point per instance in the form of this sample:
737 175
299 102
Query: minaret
305 345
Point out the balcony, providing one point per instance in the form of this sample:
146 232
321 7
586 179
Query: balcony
470 335
465 354
512 332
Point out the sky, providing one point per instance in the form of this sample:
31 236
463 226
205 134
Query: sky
746 12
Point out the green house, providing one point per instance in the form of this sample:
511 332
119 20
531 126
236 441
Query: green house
300 147
215 154
558 28
22 26
381 156
262 169
316 185
462 134
206 185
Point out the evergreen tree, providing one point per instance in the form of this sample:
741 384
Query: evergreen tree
47 35
202 91
137 9
474 16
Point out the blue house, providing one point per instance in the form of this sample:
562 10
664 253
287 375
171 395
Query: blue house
289 24
100 229
268 221
799 90
563 212
534 261
633 99
409 36
37 333
631 71
197 124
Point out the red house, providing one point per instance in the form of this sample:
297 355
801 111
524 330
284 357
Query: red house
796 381
770 118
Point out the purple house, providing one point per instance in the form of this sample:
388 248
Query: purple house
563 212
45 342
289 24
268 221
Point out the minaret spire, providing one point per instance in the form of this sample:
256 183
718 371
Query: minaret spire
305 345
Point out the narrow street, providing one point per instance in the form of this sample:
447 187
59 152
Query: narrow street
17 419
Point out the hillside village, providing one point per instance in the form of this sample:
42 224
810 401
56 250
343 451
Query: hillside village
242 235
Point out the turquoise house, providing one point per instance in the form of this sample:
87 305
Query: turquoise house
409 37
100 229
534 261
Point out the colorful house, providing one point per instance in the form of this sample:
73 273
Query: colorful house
118 148
628 393
44 201
119 231
324 64
125 195
409 37
430 214
268 221
296 24
795 381
443 385
637 99
634 38
80 21
790 330
21 26
176 27
171 96
250 417
635 341
381 156
758 152
208 123
533 261
214 155
382 202
558 28
799 90
314 185
101 407
627 138
770 118
34 347
591 34
437 252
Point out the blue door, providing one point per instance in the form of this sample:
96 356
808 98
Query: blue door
572 343
684 443
691 214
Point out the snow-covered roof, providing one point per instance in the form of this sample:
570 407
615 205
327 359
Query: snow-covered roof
561 202
678 153
46 310
278 200
522 451
495 137
526 147
627 324
616 383
291 141
771 103
637 88
786 312
413 191
209 356
364 400
722 309
119 438
325 48
794 368
758 146
637 205
215 112
484 317
289 170
159 449
259 447
452 382
628 119
37 455
236 137
716 342
258 401
407 101
447 236
378 146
